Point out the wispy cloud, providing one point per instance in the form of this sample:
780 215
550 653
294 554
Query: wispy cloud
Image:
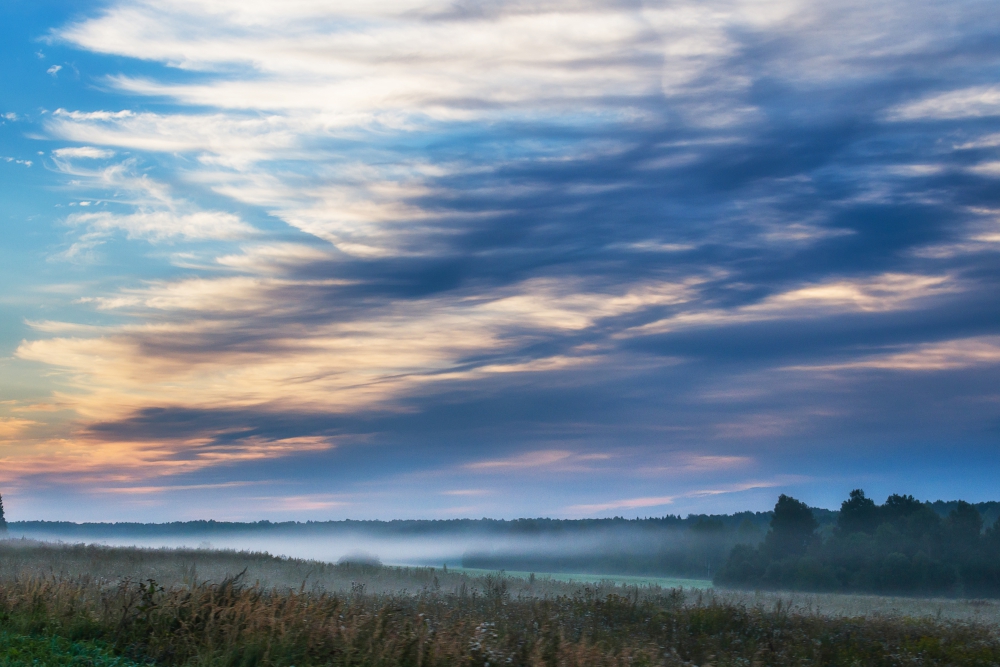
542 459
306 503
974 102
661 501
88 460
155 214
882 293
159 225
10 428
976 352
689 462
161 489
83 152
288 354
627 504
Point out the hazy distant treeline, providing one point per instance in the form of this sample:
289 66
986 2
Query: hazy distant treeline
535 526
990 511
901 546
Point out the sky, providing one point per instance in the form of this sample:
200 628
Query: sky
432 258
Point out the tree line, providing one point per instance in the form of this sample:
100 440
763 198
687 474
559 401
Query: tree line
402 527
902 546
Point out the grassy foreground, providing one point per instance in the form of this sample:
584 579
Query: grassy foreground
438 620
18 650
229 624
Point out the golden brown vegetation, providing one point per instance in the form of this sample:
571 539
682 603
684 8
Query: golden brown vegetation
483 621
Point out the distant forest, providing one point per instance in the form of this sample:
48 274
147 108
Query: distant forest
901 546
392 528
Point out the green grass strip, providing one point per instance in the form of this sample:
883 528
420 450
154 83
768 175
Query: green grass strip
22 650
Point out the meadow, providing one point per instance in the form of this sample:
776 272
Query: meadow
93 605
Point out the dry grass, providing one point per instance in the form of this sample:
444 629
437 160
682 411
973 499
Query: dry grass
869 606
370 615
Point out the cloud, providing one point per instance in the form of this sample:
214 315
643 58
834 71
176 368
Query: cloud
306 503
161 225
627 504
755 427
54 70
882 293
354 63
885 292
83 152
148 490
618 237
234 141
974 102
706 462
660 501
271 258
528 460
987 168
86 460
986 141
156 215
976 352
551 460
242 340
11 428
980 234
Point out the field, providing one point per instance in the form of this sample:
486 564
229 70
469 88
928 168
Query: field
619 579
112 606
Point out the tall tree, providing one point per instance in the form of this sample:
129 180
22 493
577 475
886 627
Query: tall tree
964 526
898 507
793 528
858 514
3 520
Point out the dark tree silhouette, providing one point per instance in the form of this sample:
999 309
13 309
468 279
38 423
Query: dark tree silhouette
964 526
898 507
902 546
3 520
858 514
793 528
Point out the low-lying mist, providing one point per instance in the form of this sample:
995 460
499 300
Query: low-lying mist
693 547
352 546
